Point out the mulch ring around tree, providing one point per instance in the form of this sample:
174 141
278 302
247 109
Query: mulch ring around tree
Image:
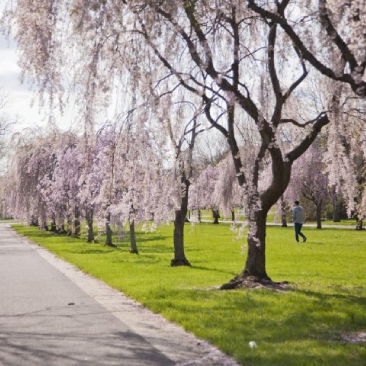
255 283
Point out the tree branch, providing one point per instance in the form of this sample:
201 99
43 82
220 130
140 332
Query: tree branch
334 35
321 121
358 86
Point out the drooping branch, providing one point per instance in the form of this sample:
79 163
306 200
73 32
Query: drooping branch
207 65
356 83
297 82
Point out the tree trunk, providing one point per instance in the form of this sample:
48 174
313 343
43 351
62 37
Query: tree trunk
256 260
77 228
283 213
53 224
108 231
232 215
179 221
199 215
89 221
335 204
318 215
69 226
216 216
133 238
255 266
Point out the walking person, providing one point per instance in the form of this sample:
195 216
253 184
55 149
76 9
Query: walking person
298 219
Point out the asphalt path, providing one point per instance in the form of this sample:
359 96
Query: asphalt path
53 314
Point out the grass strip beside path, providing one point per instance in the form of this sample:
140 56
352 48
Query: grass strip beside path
303 326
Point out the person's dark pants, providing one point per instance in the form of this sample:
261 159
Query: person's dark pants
298 232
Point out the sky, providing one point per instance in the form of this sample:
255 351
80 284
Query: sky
22 102
19 96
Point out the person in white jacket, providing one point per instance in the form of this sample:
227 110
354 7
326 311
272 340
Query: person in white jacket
298 219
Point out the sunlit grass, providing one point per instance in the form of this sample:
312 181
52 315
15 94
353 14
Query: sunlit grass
303 326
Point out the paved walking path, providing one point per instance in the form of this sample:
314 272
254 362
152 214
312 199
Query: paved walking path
53 314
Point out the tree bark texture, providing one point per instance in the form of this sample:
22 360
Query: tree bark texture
255 265
133 238
179 221
283 213
256 260
216 216
89 221
319 206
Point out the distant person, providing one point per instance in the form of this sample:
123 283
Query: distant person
298 219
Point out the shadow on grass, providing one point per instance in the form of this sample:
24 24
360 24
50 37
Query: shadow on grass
304 327
211 269
143 238
325 298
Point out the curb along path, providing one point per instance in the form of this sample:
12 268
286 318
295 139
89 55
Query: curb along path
51 313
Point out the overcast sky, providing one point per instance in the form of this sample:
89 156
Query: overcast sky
23 103
19 96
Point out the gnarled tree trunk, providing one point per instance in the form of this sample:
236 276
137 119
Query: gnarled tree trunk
255 265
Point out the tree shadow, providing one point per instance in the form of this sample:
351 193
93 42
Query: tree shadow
89 337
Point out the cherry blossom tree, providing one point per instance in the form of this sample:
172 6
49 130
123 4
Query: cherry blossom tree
90 182
202 34
129 193
183 171
345 147
327 33
241 69
309 179
216 188
203 188
31 162
6 122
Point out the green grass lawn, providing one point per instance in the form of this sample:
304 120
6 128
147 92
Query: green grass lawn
303 326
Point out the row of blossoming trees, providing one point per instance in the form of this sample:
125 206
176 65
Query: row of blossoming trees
251 71
59 183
